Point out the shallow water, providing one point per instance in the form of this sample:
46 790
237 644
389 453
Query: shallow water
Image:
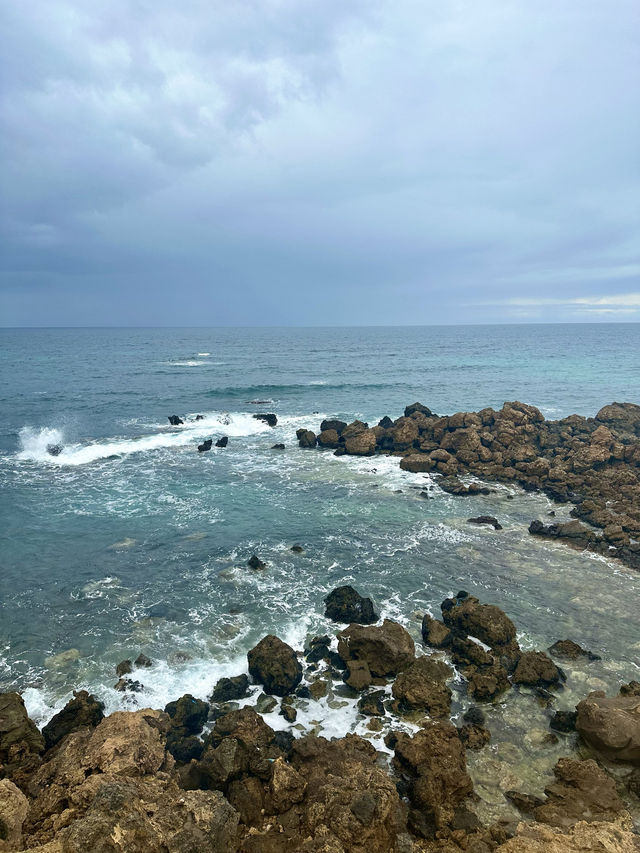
131 541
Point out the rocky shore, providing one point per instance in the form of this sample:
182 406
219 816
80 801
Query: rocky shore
592 463
214 776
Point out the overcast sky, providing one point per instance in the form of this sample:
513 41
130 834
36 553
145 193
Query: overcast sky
259 162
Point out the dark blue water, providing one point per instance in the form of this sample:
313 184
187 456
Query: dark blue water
130 540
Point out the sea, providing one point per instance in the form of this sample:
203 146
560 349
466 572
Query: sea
131 541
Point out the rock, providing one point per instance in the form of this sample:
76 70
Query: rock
83 710
361 444
142 661
486 622
570 651
329 438
199 417
358 674
275 665
14 807
387 649
473 736
525 803
465 652
417 407
244 725
385 422
536 669
297 549
371 704
265 704
581 791
486 519
256 563
434 761
563 721
175 420
205 446
611 725
583 837
269 418
128 685
54 449
421 687
486 683
417 463
188 713
318 689
223 441
228 689
278 447
474 715
18 734
306 438
290 714
184 747
435 633
335 425
344 604
124 668
286 786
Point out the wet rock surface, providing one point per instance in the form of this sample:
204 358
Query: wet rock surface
611 725
83 710
386 649
344 604
275 665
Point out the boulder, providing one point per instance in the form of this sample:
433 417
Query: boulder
486 683
329 438
421 687
536 669
222 442
254 562
371 704
357 674
486 519
353 429
474 736
569 650
268 418
14 807
83 710
142 661
435 633
344 604
54 449
306 438
332 424
387 649
205 446
486 622
582 837
581 791
278 447
417 407
188 713
361 444
228 689
175 420
124 668
563 721
611 725
417 463
274 664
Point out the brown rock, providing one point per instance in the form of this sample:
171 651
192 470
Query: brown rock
361 444
536 669
422 687
387 648
358 674
13 811
417 463
611 725
486 622
275 665
82 710
581 791
435 633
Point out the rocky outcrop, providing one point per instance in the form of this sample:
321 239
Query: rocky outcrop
205 446
83 710
275 665
569 650
175 420
228 689
14 807
422 687
536 669
344 604
386 649
485 621
581 791
611 725
269 418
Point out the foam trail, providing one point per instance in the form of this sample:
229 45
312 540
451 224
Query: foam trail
34 442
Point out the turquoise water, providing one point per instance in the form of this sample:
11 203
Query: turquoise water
131 541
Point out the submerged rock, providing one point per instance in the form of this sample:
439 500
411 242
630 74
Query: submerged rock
611 725
570 651
254 562
344 604
274 664
54 449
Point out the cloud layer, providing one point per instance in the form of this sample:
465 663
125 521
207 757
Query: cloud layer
315 161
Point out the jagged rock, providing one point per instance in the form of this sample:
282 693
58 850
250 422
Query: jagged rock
611 725
227 689
333 424
387 649
417 407
83 710
466 652
175 420
223 441
278 446
581 791
371 704
435 633
256 563
275 665
525 803
486 622
124 668
205 446
361 444
344 604
14 807
286 786
18 734
329 438
54 449
290 714
474 736
486 683
536 669
486 519
422 687
268 418
570 651
128 685
188 713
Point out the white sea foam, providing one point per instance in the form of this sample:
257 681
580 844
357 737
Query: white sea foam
187 363
205 354
34 442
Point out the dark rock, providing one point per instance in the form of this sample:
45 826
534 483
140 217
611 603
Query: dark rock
387 649
435 633
228 689
184 748
486 683
124 668
486 519
278 447
581 791
188 713
83 710
417 407
289 713
256 563
205 446
222 442
275 665
525 803
358 675
265 704
297 549
536 669
385 423
142 661
570 651
563 721
306 438
54 449
344 604
474 715
268 418
336 425
199 417
371 704
611 725
473 736
284 741
128 685
175 420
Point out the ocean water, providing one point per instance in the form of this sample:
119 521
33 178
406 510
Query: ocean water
131 541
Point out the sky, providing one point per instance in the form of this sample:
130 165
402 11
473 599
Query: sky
319 162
